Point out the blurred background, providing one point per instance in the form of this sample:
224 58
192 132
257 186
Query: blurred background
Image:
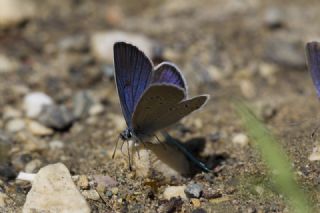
59 54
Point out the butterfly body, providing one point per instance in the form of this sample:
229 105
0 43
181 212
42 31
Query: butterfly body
152 98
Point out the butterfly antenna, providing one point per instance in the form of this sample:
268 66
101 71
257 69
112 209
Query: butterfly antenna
115 148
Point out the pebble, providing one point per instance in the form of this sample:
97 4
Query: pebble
7 64
38 129
5 146
76 43
54 191
3 198
96 109
15 125
285 51
102 43
83 182
91 194
33 166
14 12
56 117
115 190
247 88
56 144
240 139
195 202
174 191
82 103
104 181
20 160
193 190
7 172
30 142
108 71
10 113
273 18
315 155
34 102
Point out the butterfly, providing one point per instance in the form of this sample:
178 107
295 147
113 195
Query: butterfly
151 98
313 60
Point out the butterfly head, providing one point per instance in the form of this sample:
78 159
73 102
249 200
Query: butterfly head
126 134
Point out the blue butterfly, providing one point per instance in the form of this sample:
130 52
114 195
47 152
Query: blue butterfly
152 98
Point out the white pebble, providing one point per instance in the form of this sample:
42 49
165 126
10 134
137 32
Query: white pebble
102 43
240 139
15 125
96 109
174 191
56 144
91 194
315 155
33 103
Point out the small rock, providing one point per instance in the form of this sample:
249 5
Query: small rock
7 172
174 191
96 109
19 161
34 102
82 103
83 182
7 64
285 51
15 125
240 139
33 166
54 191
5 146
193 190
102 43
3 198
77 43
115 190
14 12
315 155
108 71
56 117
173 205
104 181
273 18
91 194
10 113
195 202
56 144
38 129
30 143
247 88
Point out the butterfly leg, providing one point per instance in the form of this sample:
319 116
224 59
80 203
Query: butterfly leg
129 156
315 131
115 148
160 142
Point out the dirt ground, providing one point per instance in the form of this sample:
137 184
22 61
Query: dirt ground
228 49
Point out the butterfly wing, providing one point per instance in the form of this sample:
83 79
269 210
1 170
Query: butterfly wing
133 72
154 101
168 73
313 58
153 114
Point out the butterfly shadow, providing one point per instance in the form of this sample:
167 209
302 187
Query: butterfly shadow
199 162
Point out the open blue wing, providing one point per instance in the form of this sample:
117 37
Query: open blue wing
133 72
313 58
168 73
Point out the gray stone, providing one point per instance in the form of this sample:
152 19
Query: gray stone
15 125
5 146
82 103
56 117
285 51
77 43
273 17
54 191
193 190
